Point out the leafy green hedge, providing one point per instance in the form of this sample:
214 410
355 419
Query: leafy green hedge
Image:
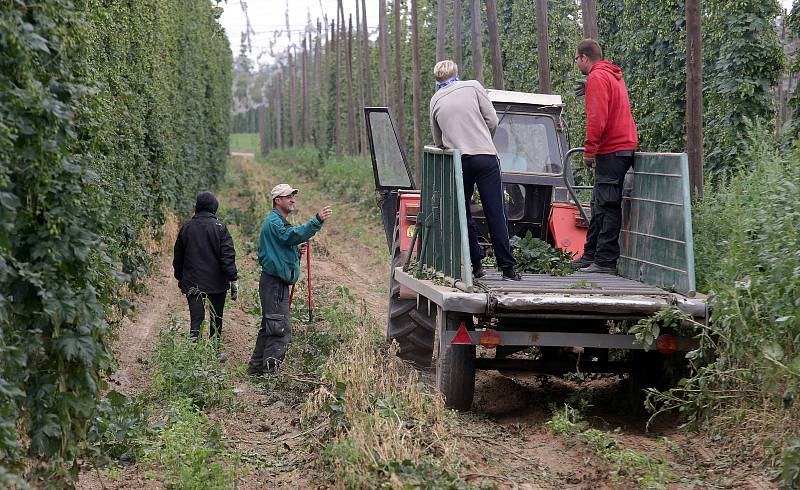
742 61
111 115
748 257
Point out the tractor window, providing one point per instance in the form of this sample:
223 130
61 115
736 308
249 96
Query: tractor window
390 166
528 143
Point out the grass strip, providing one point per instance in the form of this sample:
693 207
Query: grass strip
646 471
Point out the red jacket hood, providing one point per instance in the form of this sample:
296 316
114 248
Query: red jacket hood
609 67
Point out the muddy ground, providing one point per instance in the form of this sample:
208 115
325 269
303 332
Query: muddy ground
505 435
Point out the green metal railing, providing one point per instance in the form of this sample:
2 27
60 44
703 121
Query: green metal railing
442 221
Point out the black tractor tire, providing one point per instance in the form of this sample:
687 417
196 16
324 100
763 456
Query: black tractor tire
455 376
412 326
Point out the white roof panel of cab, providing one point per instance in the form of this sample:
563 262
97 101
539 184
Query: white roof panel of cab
508 97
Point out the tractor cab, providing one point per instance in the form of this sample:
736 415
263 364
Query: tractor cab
531 143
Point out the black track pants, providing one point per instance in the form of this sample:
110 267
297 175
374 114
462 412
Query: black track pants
197 312
484 171
602 240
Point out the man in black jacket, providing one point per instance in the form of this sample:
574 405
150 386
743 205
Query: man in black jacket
205 264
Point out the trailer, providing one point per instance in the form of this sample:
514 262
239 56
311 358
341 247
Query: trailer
440 315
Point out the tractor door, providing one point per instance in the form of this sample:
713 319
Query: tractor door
389 165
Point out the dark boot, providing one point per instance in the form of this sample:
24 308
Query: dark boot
477 271
509 274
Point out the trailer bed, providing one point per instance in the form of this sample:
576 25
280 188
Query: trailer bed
576 283
577 295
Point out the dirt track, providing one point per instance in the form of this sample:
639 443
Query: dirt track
505 435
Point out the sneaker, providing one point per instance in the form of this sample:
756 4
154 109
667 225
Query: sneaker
581 263
478 271
509 274
599 269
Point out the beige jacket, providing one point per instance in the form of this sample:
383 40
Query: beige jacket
462 117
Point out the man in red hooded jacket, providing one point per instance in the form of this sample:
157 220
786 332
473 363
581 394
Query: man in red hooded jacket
610 142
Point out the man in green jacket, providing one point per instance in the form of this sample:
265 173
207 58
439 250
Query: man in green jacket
280 247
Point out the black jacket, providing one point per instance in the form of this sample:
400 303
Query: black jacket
204 255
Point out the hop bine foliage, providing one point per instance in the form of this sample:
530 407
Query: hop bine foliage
111 115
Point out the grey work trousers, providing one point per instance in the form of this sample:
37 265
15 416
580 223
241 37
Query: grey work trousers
276 328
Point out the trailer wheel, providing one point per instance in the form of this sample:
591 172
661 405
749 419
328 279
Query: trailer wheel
455 375
411 326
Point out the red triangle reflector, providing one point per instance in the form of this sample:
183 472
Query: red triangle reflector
462 336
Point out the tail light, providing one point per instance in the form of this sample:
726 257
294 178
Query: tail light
490 338
666 344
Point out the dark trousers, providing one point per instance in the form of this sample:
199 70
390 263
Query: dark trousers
602 240
276 328
197 312
484 170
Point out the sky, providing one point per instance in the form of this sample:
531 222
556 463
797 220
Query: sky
268 16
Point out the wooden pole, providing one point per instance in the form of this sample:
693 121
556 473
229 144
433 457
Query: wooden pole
367 65
589 14
458 13
477 46
441 27
337 71
543 46
318 87
781 90
694 97
360 72
398 73
494 44
279 111
383 53
305 78
262 129
416 91
352 143
293 97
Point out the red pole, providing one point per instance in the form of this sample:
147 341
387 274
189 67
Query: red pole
308 274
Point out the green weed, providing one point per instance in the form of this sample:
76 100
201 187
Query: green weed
538 257
186 368
789 474
189 447
119 429
648 472
748 260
